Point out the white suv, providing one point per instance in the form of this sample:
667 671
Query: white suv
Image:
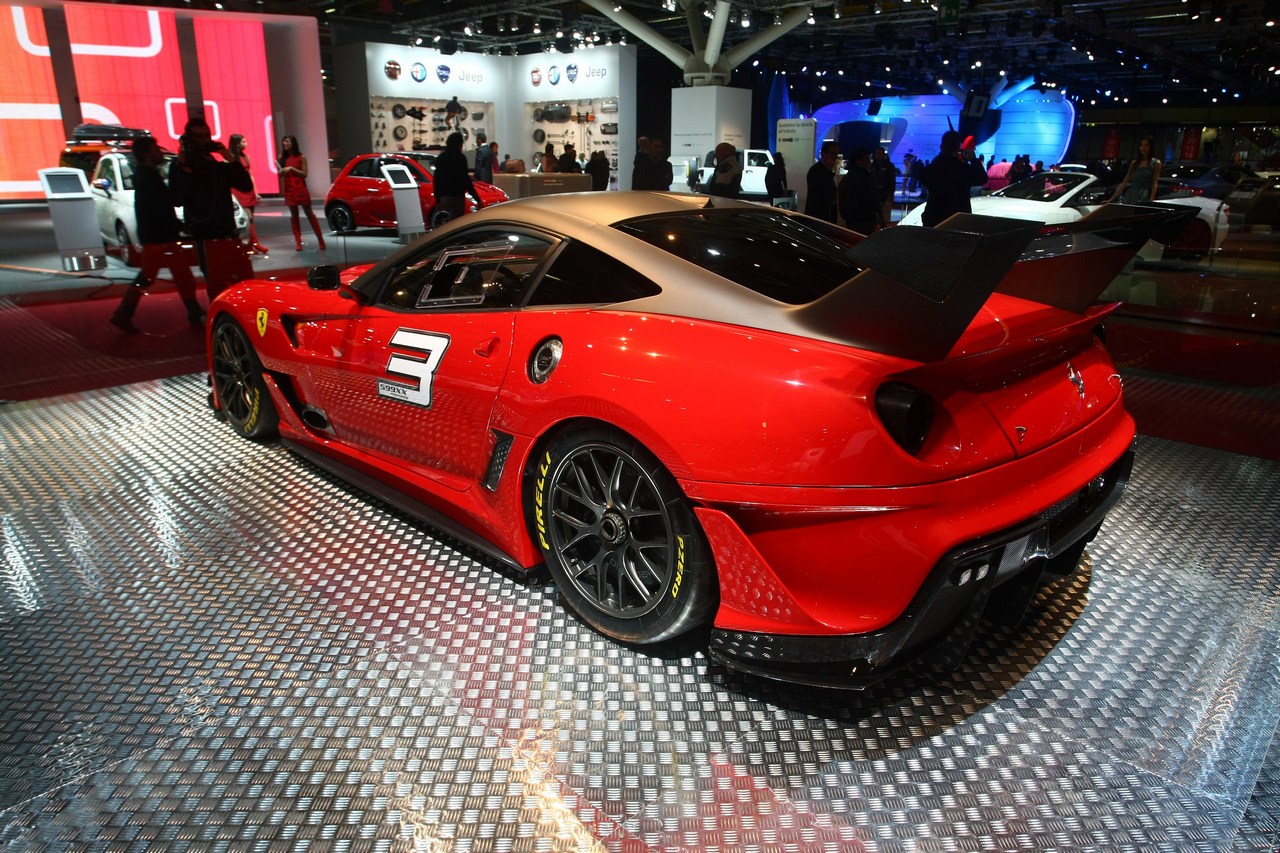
112 188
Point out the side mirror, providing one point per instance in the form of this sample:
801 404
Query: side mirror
324 277
103 184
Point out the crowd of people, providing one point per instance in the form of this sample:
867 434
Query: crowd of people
205 176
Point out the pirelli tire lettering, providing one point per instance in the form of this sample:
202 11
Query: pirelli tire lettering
619 537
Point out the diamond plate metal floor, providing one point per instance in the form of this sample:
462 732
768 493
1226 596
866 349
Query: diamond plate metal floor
207 644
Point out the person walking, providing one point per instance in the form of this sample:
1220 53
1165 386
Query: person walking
293 180
484 159
159 232
203 185
248 200
821 183
452 180
948 178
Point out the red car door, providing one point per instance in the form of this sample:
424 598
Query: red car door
414 376
367 192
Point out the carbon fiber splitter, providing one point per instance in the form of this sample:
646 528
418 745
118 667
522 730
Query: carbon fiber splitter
210 645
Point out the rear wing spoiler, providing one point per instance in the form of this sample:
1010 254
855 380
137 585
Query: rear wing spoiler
921 287
1070 264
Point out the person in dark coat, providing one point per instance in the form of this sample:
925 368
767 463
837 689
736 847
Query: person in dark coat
948 179
859 202
568 162
821 183
598 169
775 178
202 184
452 179
484 159
663 175
160 233
726 178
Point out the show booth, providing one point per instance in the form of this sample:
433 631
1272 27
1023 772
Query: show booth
416 96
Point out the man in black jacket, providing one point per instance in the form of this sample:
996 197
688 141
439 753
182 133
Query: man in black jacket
452 181
859 203
159 232
948 179
821 183
202 185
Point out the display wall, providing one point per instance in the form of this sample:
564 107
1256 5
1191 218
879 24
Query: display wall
521 102
1031 122
66 64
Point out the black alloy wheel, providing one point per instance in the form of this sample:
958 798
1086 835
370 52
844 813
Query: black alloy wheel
341 219
237 380
620 538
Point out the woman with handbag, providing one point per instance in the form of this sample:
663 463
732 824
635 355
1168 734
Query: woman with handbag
249 201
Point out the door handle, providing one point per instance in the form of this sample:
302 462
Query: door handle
486 348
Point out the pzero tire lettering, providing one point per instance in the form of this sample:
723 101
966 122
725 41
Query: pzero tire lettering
619 536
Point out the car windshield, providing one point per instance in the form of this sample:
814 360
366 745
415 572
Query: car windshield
786 258
1046 186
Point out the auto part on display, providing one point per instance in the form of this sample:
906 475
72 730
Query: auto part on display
539 136
609 128
415 113
398 111
399 132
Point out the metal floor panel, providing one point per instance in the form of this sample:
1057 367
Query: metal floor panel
207 644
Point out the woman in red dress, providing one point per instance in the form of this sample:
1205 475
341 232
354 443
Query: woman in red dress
293 182
248 200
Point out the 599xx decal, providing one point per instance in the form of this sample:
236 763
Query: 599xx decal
419 370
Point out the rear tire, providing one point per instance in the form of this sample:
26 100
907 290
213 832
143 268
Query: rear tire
620 538
238 383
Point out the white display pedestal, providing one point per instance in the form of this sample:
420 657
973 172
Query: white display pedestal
701 118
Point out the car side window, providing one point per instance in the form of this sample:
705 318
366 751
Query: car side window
108 171
126 173
366 169
485 268
583 275
757 159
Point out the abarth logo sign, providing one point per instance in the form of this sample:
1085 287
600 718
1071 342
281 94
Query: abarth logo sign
417 366
262 322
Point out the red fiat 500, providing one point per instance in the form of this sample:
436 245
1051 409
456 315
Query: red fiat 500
361 197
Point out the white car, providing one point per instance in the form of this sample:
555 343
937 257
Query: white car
112 188
1057 197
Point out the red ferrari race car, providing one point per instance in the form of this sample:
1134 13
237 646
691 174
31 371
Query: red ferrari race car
836 450
360 196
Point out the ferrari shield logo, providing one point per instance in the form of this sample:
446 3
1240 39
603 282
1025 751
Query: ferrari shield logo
262 322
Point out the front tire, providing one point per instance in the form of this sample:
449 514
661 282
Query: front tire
237 379
619 537
341 219
438 217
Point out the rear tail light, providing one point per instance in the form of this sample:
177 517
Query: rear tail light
907 414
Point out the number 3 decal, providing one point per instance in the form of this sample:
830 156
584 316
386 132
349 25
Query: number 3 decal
421 368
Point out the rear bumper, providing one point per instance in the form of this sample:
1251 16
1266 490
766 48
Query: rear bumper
944 614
